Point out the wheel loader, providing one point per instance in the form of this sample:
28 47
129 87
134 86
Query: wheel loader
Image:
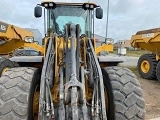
70 83
148 64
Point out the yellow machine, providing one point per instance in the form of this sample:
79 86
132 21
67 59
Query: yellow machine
13 39
70 83
148 64
104 47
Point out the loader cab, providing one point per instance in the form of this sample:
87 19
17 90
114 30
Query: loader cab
57 15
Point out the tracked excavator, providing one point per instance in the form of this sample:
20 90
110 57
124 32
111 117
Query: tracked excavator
70 83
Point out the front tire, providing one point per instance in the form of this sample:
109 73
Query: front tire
147 66
125 99
17 87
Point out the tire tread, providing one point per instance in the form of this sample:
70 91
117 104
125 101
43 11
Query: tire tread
127 104
15 106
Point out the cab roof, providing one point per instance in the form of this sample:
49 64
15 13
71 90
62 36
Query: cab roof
68 4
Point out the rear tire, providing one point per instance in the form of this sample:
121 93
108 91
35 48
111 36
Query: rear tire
5 64
125 99
151 72
17 87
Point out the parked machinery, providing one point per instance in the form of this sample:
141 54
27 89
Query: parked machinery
13 38
71 84
148 64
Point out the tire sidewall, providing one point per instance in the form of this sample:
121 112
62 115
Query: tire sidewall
108 87
34 84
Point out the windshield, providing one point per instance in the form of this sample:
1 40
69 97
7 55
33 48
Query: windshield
62 15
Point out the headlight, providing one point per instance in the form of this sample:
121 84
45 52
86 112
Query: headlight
109 41
29 39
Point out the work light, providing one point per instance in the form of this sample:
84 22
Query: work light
49 5
29 39
89 6
46 5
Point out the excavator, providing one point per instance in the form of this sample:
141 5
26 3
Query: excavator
70 82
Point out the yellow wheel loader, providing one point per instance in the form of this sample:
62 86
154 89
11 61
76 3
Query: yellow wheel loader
70 83
148 64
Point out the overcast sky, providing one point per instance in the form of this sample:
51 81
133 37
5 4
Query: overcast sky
126 17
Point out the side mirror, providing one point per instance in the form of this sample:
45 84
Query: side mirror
37 11
99 13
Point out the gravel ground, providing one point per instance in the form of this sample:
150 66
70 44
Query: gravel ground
151 91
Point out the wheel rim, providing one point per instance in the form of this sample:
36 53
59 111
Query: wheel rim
145 66
4 70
